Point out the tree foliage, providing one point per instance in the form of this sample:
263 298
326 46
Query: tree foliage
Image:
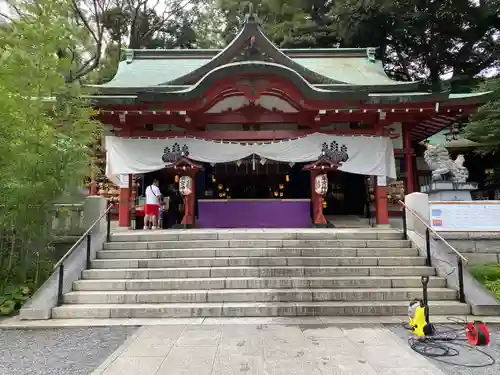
45 130
484 128
417 39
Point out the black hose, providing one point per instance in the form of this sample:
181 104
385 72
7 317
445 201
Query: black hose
445 343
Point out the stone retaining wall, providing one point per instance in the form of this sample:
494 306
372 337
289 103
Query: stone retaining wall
477 247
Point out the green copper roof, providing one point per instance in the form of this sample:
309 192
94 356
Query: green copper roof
352 70
440 139
352 66
152 72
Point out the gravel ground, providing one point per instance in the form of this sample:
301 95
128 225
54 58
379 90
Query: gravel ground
466 356
64 351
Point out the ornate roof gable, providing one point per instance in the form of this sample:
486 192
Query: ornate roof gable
251 45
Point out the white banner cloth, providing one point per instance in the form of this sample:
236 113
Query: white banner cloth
372 156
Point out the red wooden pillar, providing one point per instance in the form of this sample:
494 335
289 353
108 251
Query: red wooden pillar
316 201
381 204
189 200
125 206
408 161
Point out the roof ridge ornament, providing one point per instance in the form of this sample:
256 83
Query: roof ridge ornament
251 16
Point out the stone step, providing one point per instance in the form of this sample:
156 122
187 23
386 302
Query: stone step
257 261
256 252
254 295
257 282
260 244
260 234
283 271
217 309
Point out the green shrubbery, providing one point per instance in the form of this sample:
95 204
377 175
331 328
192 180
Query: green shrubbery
489 275
45 130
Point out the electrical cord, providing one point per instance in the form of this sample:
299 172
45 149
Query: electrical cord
445 343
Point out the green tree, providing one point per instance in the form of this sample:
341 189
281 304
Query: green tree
45 130
484 127
417 39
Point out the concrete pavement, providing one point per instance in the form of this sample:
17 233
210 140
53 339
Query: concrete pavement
260 349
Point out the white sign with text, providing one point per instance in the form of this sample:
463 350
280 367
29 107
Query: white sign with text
465 216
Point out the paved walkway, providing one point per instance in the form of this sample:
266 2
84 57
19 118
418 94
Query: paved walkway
265 350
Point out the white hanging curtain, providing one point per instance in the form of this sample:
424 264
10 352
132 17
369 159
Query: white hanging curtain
372 156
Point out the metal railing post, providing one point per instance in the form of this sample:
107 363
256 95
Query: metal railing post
428 246
60 297
461 292
405 225
108 224
89 243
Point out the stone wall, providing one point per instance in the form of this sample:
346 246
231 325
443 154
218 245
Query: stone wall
477 247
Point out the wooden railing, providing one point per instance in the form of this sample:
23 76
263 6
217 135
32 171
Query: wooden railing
67 219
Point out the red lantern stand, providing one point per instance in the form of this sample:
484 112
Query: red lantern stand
186 167
321 166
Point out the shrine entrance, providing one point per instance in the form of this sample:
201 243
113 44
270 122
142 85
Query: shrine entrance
347 194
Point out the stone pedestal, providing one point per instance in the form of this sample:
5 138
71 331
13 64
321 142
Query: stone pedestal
449 190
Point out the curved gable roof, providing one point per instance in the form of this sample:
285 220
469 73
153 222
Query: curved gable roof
335 66
249 67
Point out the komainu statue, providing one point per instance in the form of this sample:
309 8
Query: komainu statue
443 168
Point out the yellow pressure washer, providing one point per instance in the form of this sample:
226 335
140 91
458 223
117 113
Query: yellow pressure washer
418 313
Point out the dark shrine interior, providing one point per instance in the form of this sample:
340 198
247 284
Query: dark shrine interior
347 192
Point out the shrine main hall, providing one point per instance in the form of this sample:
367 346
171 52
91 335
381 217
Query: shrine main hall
268 137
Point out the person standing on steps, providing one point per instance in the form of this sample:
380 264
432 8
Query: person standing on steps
152 209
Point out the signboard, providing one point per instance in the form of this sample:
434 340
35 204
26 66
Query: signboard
381 181
123 181
470 216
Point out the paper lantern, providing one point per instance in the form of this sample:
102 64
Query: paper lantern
287 178
185 185
321 184
176 178
220 187
275 193
281 186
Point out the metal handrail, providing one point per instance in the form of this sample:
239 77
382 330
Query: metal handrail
87 235
428 229
80 240
433 231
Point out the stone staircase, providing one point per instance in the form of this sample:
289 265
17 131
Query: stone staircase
203 273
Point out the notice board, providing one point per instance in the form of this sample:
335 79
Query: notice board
473 216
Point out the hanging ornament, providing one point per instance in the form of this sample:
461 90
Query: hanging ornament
227 189
238 163
176 178
275 193
281 186
281 194
321 184
213 179
287 178
185 185
220 187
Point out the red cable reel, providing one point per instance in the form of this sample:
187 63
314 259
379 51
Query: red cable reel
477 333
